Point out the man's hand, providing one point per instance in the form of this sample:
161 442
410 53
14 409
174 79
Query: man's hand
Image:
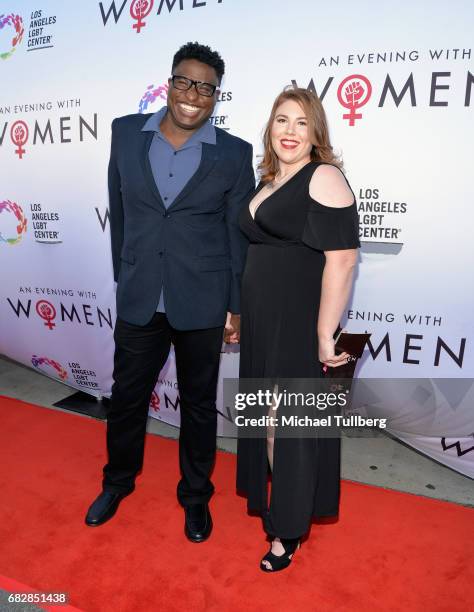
232 329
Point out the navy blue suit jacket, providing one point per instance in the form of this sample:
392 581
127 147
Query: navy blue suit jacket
194 249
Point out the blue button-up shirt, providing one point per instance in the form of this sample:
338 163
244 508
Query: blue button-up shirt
172 168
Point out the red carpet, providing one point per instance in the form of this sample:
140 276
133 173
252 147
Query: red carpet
388 551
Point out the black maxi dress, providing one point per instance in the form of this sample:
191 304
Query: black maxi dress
281 290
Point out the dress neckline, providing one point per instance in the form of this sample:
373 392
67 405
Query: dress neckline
276 190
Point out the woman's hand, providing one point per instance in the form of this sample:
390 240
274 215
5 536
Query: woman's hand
328 356
232 329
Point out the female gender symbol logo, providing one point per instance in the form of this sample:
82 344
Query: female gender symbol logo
19 135
46 311
354 92
139 9
155 401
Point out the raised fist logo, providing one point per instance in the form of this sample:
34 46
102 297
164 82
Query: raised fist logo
357 91
354 92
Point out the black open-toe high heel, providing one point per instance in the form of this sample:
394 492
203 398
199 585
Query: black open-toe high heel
280 562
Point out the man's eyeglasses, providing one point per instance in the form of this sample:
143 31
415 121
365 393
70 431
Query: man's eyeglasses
183 83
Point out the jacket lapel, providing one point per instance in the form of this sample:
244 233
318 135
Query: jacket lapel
147 171
208 159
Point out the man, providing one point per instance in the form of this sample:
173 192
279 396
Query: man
176 187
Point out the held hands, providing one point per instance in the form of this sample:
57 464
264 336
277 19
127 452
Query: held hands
327 355
232 329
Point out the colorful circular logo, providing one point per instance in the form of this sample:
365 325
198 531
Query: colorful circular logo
16 22
151 94
40 362
11 207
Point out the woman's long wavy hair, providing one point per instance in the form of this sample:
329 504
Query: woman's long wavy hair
318 129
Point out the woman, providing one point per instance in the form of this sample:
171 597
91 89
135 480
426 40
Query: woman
302 225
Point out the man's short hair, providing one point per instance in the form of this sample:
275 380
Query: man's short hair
201 53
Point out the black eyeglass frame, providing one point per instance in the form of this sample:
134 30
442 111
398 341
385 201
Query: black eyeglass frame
195 83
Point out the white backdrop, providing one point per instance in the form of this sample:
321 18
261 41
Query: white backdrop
68 68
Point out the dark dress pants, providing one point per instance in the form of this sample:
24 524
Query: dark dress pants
140 354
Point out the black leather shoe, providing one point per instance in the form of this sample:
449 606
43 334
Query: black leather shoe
198 522
103 508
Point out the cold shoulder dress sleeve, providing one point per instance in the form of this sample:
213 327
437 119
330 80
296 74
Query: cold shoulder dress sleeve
331 229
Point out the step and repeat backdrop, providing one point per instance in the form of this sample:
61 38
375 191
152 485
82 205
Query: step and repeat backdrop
397 83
